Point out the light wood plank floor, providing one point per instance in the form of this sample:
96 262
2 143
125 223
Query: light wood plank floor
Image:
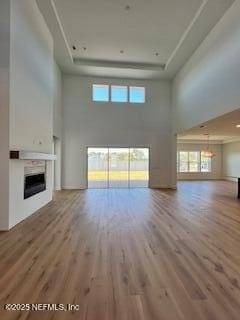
135 254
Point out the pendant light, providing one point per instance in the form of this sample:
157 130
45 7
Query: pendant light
208 153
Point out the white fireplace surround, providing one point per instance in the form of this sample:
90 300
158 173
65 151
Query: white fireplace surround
20 208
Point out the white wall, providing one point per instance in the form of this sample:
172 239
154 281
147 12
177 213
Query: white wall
208 85
115 124
57 126
31 68
231 161
31 101
216 172
57 101
4 111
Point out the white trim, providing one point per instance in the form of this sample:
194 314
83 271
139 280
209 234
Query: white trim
188 141
199 141
164 186
118 64
229 178
61 29
73 188
199 179
237 139
187 31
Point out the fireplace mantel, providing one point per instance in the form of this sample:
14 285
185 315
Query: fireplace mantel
29 155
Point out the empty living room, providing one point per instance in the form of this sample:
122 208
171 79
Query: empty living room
119 160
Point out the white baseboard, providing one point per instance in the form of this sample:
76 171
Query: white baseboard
151 187
200 179
73 188
4 229
164 187
233 179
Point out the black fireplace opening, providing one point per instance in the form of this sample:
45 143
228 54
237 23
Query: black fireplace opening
34 184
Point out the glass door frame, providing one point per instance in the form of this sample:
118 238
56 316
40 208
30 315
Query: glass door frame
119 147
107 181
110 172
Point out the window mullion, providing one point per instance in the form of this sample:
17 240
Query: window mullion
200 169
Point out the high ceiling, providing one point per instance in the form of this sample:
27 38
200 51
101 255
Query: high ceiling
221 129
131 38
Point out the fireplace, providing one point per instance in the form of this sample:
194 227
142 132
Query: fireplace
34 178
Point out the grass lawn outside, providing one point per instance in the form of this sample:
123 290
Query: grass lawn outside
117 175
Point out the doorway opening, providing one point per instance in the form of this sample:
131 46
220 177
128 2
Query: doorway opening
118 167
56 170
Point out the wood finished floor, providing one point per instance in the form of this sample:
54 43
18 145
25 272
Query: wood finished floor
135 254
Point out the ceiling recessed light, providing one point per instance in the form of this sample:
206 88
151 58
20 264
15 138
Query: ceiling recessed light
122 51
127 7
156 54
238 126
84 48
74 48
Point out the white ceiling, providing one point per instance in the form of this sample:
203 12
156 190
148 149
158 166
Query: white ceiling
220 129
131 38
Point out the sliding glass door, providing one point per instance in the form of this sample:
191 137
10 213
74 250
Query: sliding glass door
97 167
118 167
139 167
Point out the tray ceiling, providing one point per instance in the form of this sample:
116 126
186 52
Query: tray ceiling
134 38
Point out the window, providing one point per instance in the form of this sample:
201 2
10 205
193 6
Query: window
206 163
193 161
137 94
100 93
118 167
119 93
123 94
183 161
